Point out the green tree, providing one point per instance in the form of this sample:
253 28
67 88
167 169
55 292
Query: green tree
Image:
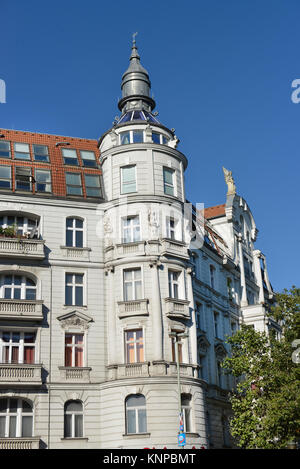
266 400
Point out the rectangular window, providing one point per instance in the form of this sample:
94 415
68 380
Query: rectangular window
212 276
169 181
131 229
17 347
131 136
132 284
124 138
5 149
74 349
22 151
69 156
88 158
23 179
173 283
42 180
5 177
174 357
40 153
128 179
199 316
134 346
171 228
92 185
74 289
74 184
216 325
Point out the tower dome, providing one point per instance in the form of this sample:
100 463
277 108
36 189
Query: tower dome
136 85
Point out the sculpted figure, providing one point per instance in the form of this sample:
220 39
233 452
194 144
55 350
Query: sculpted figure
229 181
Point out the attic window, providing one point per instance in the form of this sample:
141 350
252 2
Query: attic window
23 179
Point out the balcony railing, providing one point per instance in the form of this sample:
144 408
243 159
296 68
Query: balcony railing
177 309
24 248
20 374
174 247
20 443
148 369
21 309
75 373
133 308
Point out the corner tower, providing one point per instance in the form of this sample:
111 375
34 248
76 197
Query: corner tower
149 298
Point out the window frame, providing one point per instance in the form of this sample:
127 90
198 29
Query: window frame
133 281
74 185
187 419
131 228
138 409
175 283
87 159
75 285
166 184
66 158
99 188
17 286
29 175
9 151
47 184
74 229
73 419
135 342
6 178
18 415
21 345
122 168
35 153
73 346
22 152
131 136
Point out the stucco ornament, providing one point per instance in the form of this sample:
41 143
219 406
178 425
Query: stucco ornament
153 220
229 181
108 230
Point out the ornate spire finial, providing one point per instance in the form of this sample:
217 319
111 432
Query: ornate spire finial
229 181
133 38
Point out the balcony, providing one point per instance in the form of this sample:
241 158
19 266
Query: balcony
75 374
174 248
177 309
20 374
78 254
133 308
149 369
22 248
20 443
21 309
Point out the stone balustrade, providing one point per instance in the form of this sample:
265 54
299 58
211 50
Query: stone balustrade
20 374
149 369
133 308
177 309
21 309
20 443
75 373
22 248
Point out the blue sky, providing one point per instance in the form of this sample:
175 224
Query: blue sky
221 74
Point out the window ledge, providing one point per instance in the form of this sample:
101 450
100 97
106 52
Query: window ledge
76 438
76 248
129 436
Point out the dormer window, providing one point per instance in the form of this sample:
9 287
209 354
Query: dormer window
40 153
5 149
88 158
22 151
70 156
23 179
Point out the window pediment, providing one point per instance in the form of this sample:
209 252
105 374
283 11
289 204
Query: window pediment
75 319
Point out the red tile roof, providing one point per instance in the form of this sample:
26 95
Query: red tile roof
214 212
56 162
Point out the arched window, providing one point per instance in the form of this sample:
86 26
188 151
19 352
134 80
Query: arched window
22 225
16 418
136 419
73 419
74 232
186 411
17 287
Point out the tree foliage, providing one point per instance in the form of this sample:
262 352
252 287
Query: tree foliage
266 400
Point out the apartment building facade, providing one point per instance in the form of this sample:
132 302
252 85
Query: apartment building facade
104 290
